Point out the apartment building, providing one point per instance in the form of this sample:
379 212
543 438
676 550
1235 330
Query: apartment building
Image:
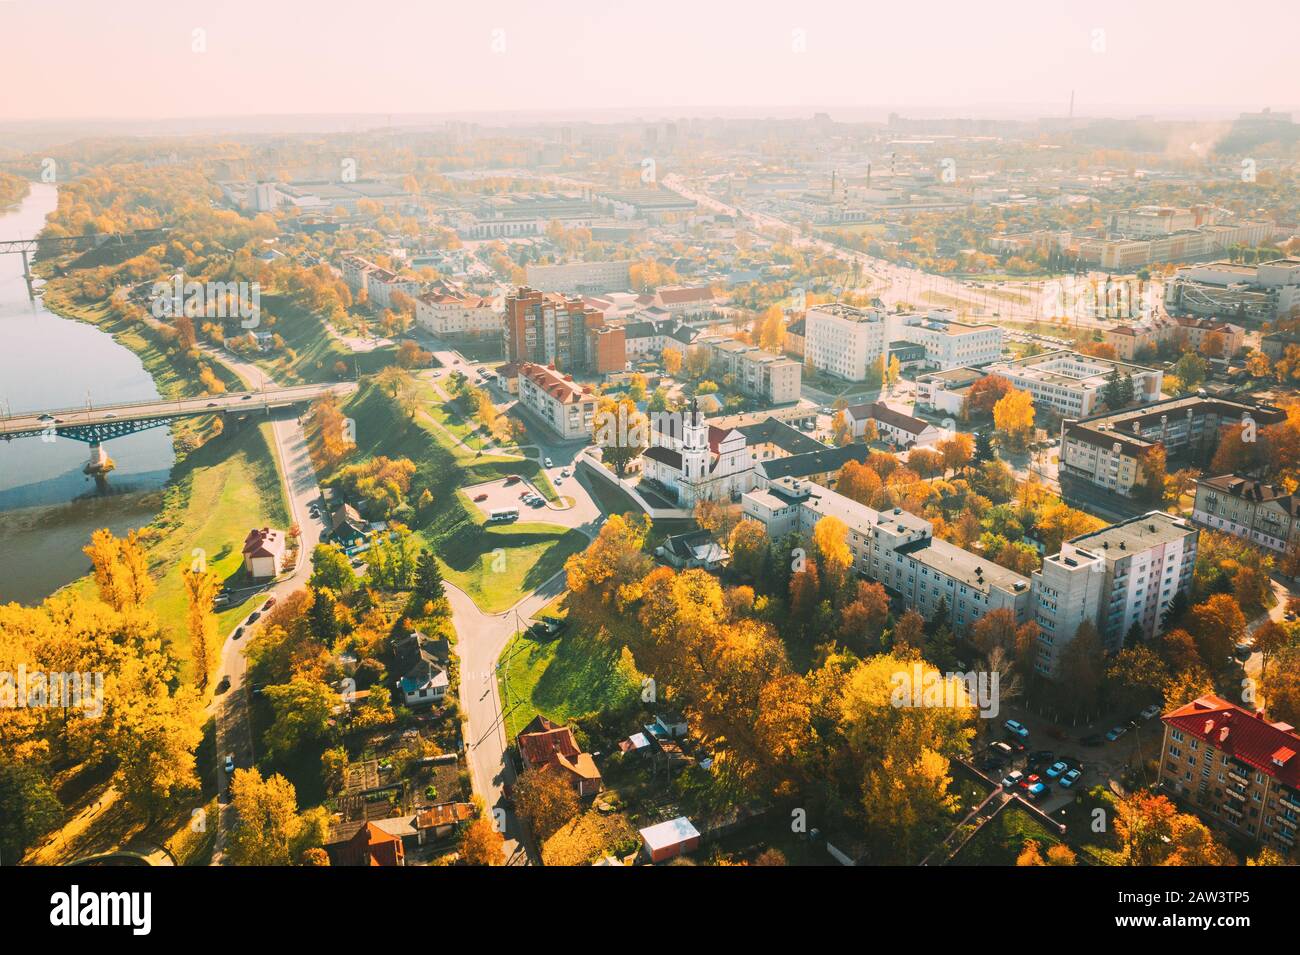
547 328
758 373
1067 592
685 301
1188 332
844 341
949 343
1147 560
382 285
455 315
581 278
898 549
564 405
1106 450
1124 253
1264 514
1071 384
1236 768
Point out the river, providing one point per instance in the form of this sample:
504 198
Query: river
48 507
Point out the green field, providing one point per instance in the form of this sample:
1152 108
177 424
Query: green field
562 678
507 561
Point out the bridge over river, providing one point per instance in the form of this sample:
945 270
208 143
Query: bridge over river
95 425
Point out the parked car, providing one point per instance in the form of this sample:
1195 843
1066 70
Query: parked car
480 497
254 616
239 632
513 479
1000 748
1116 733
230 763
1035 791
270 602
1040 756
1012 779
224 684
547 462
564 473
1092 740
1151 711
1012 726
1056 769
1070 778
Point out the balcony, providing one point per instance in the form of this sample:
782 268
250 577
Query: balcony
1233 794
1237 778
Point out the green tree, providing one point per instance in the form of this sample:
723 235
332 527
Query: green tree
331 569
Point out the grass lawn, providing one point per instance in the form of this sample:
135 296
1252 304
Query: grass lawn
217 493
1000 841
562 678
508 561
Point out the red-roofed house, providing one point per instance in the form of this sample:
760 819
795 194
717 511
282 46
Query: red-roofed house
1236 768
547 745
264 552
370 846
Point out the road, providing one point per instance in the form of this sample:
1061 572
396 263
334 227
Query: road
231 709
481 637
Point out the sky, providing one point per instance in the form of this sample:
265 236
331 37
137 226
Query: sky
163 59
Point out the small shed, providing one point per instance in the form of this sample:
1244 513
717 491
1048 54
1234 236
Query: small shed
667 840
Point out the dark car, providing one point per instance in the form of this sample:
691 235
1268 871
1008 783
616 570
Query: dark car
270 602
1093 740
1040 756
224 685
239 632
253 617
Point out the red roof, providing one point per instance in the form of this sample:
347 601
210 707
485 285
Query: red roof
542 741
1268 747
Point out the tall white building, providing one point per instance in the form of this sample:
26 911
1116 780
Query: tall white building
844 341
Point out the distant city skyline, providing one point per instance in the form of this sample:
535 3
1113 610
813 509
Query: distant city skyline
155 60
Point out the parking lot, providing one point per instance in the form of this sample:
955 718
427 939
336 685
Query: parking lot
500 495
1035 755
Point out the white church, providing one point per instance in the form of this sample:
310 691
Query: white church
703 463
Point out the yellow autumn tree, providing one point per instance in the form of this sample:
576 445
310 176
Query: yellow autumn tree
200 590
1013 416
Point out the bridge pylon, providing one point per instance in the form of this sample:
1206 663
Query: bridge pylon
100 463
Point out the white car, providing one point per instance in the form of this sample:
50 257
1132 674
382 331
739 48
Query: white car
230 763
547 462
1151 711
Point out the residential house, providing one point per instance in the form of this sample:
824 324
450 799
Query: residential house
422 662
264 553
544 745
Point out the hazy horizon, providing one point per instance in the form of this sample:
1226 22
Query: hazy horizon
149 61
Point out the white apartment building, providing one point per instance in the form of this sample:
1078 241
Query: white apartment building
949 343
456 316
899 550
1071 384
1067 591
568 408
844 341
1148 559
